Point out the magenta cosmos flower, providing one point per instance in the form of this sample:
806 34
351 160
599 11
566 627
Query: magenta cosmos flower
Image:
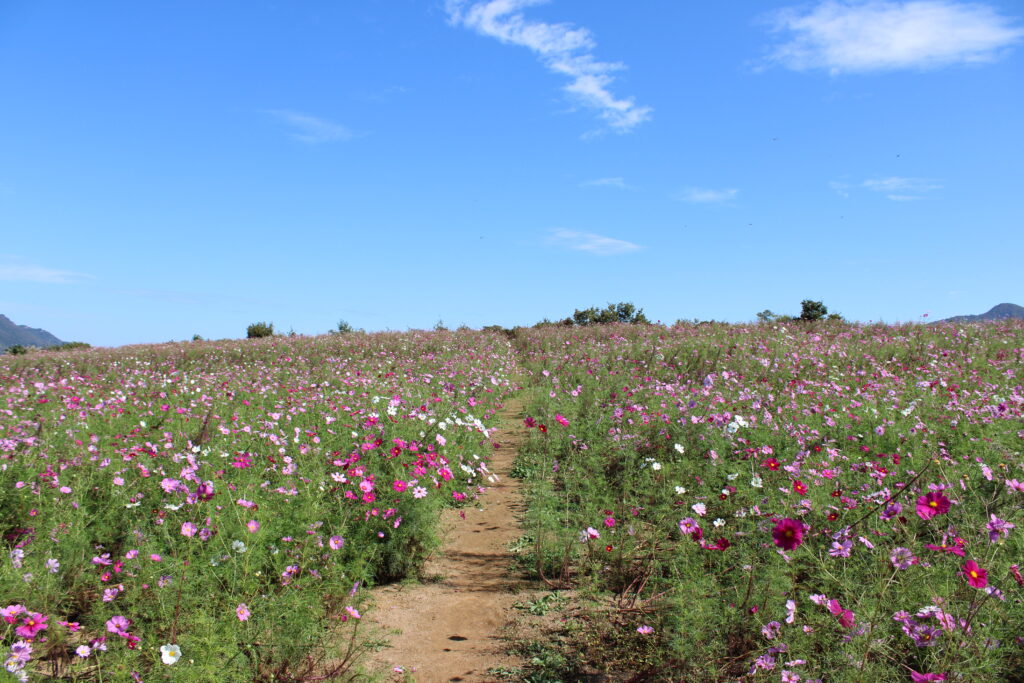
788 534
976 576
931 504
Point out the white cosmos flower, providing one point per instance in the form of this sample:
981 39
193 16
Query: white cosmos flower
680 490
679 448
170 653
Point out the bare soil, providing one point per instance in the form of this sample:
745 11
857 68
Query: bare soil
450 628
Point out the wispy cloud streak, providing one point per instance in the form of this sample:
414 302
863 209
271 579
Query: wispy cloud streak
563 48
617 182
589 242
698 195
30 273
902 189
311 129
843 36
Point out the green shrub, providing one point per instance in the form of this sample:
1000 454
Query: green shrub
812 310
258 330
622 312
17 350
68 346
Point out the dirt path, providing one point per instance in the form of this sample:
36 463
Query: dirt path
451 630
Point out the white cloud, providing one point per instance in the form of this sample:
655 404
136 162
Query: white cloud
620 183
879 35
840 187
700 195
311 129
595 244
29 273
901 189
562 48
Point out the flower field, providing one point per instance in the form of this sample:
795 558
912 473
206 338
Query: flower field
826 503
211 511
760 503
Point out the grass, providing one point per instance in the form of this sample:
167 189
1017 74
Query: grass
148 494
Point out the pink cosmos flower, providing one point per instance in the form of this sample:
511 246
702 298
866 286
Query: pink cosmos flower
645 630
399 485
11 612
242 612
846 617
788 534
931 504
253 526
923 678
561 420
975 575
31 624
189 529
336 542
118 625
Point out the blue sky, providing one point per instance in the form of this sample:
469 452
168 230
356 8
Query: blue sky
179 168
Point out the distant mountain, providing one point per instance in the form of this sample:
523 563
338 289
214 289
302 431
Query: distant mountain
1000 312
12 335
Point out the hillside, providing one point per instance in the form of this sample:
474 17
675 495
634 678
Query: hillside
12 334
998 312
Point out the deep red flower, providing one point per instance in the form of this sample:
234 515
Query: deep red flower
975 575
931 504
799 487
788 534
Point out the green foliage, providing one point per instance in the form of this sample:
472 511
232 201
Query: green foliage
68 346
276 512
767 316
607 491
812 310
258 330
439 326
197 337
622 312
17 350
344 327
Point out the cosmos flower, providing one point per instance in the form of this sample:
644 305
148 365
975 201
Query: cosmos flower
975 575
931 504
788 534
169 654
